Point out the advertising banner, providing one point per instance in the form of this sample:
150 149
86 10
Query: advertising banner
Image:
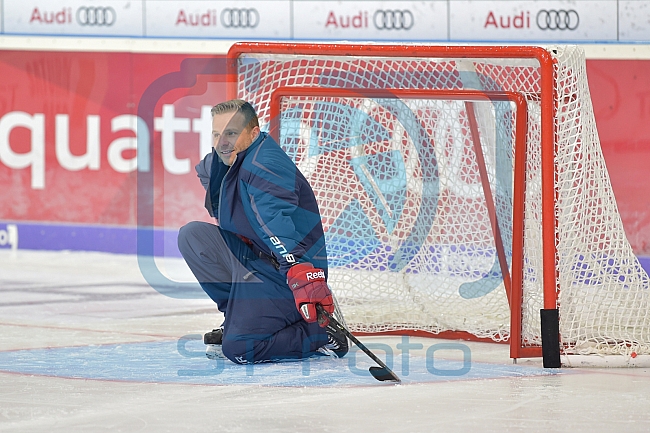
104 138
550 20
363 20
634 20
9 236
94 145
222 19
73 17
354 20
620 92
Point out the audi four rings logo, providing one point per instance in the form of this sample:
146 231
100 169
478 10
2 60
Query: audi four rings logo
240 18
393 19
96 16
557 19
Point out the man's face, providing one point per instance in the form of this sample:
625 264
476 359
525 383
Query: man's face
230 135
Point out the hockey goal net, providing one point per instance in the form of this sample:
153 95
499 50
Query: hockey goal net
436 220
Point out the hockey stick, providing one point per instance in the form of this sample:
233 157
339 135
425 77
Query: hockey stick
382 373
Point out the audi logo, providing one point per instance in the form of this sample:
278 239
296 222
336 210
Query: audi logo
96 16
393 19
240 18
557 19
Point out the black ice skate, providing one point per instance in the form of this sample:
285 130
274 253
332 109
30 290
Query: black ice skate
213 341
213 337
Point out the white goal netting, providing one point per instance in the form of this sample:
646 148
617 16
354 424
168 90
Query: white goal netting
409 235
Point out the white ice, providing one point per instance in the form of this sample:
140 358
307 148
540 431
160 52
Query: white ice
87 345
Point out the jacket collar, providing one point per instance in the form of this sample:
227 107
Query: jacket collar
242 155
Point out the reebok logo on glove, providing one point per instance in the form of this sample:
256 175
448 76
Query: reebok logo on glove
320 275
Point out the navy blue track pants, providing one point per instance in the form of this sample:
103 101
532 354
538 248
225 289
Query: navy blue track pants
261 319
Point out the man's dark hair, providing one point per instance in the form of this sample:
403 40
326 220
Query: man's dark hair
241 106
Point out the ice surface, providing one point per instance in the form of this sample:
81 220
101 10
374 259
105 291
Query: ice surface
87 345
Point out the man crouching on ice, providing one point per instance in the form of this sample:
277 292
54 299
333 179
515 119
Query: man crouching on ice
264 264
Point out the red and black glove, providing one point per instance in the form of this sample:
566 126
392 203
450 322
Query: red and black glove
309 288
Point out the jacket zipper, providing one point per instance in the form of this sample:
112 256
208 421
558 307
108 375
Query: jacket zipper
223 181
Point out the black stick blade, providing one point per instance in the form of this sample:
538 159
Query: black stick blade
384 374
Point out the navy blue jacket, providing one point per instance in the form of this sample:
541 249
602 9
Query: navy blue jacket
264 197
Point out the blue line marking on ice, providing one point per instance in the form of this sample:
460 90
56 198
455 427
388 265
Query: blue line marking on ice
171 362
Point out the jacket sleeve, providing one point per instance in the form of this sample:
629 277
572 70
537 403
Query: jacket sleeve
203 170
